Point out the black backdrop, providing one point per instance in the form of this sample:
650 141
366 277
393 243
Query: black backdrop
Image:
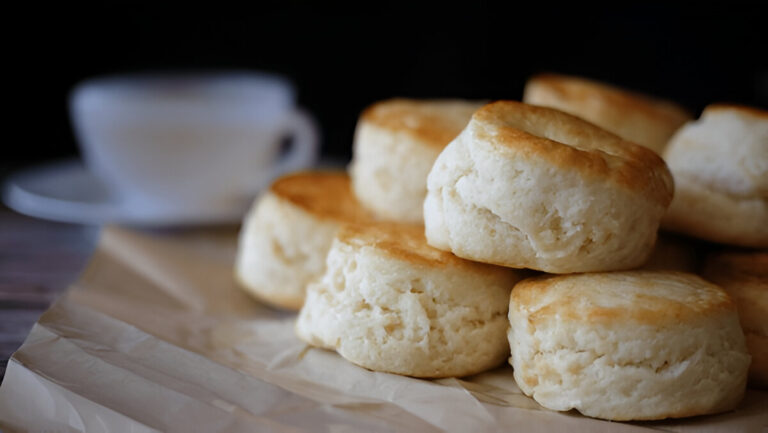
342 58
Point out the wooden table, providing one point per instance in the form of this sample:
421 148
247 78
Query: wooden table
38 260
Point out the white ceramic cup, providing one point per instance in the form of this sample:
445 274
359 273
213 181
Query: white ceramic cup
190 147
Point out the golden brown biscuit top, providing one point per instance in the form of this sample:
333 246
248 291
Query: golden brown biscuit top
643 297
721 107
434 122
572 143
406 242
581 90
323 194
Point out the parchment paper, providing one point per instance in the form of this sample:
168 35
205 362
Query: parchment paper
155 336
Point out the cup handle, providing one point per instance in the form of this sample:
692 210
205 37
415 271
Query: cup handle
304 148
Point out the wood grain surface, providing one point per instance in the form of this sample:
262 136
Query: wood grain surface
38 260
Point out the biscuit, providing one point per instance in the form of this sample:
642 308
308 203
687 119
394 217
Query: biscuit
720 166
636 345
638 118
389 302
396 143
527 186
744 275
288 232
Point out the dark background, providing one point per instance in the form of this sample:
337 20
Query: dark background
342 58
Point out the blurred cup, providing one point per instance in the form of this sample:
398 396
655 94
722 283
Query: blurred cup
177 145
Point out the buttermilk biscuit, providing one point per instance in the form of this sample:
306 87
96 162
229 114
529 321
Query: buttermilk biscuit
638 118
527 186
396 143
389 302
744 275
638 345
720 166
287 233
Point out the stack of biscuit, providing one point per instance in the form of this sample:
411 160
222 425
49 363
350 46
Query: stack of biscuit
471 233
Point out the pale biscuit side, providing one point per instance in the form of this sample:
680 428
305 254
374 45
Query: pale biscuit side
282 248
389 172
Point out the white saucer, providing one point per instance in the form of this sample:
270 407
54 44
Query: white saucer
67 191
